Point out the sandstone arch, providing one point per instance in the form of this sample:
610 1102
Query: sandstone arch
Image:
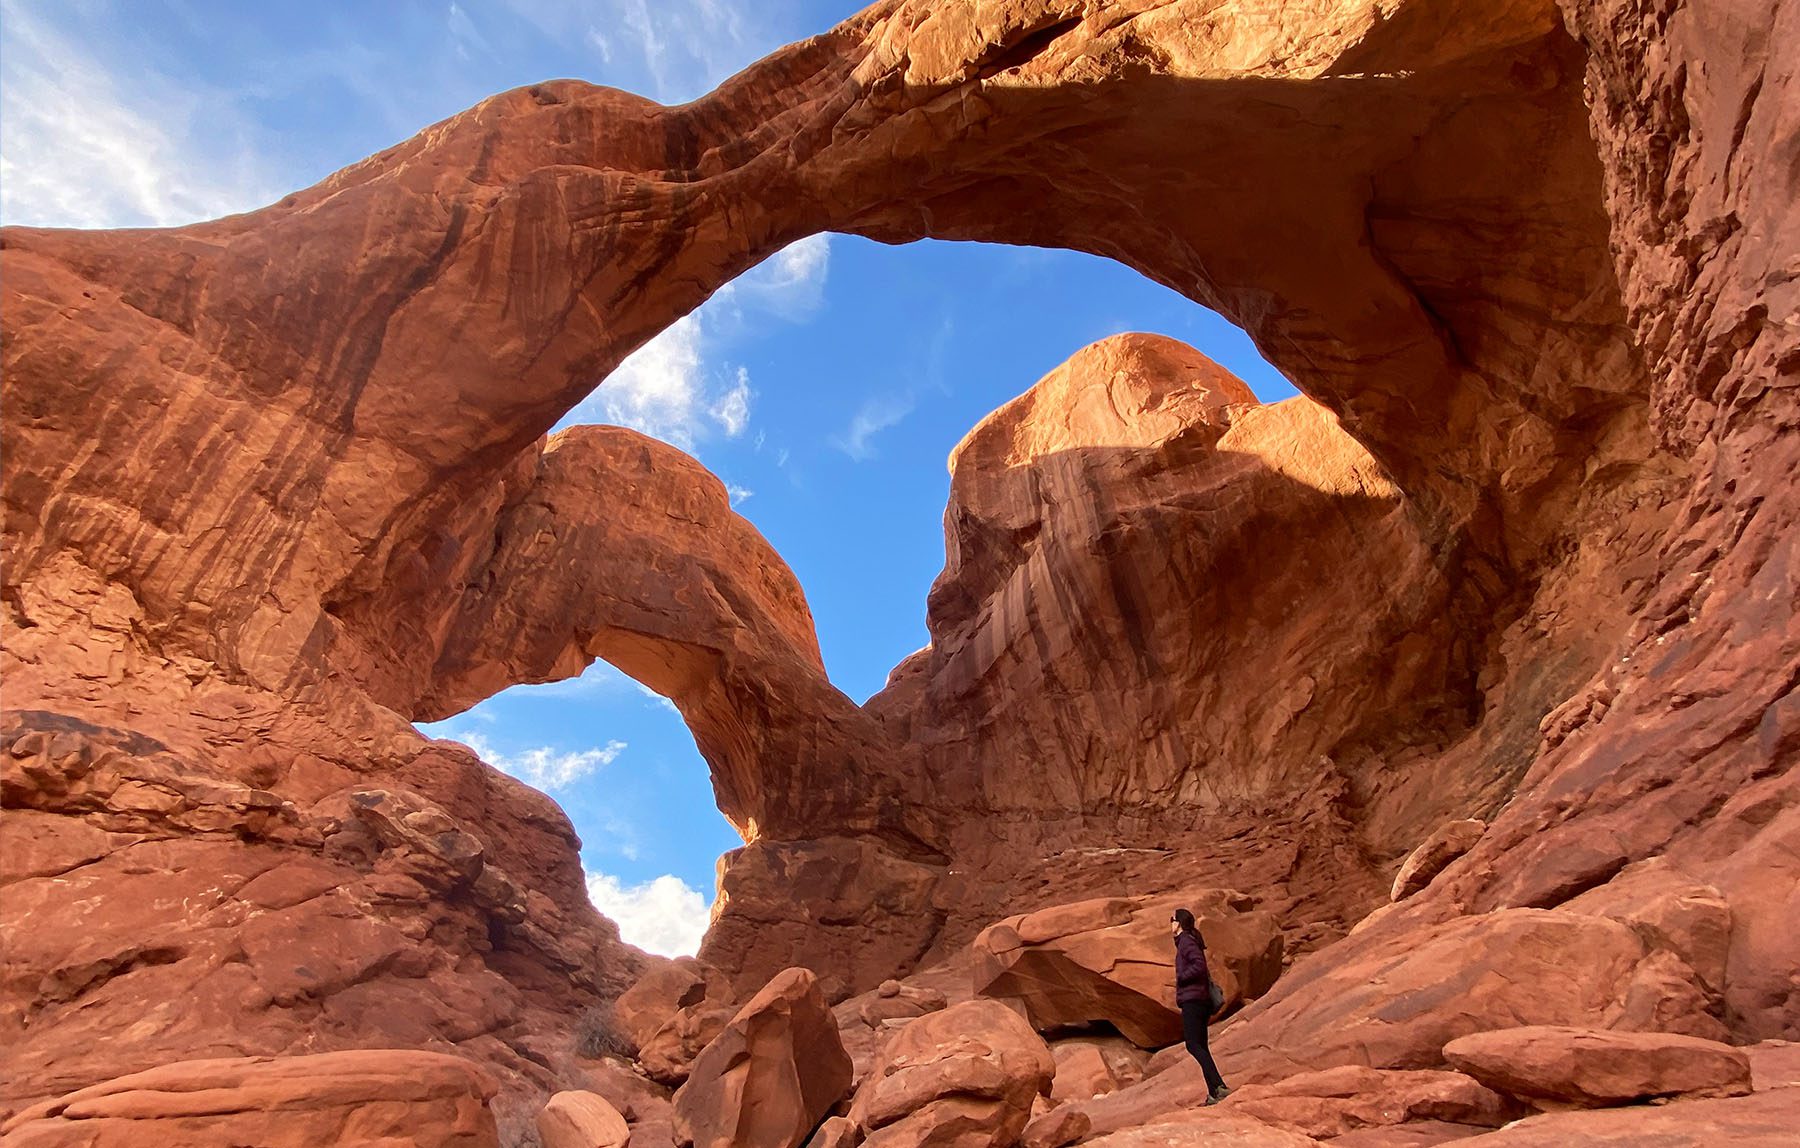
1561 325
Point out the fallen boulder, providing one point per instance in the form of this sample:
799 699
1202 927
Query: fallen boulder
673 1011
771 1075
836 1132
1596 1069
1340 1100
1396 1001
1057 1128
965 1075
1111 960
1084 1070
577 1119
866 1022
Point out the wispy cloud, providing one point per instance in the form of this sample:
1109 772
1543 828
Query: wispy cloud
677 387
665 916
663 389
464 35
82 151
737 493
676 49
732 409
877 413
544 768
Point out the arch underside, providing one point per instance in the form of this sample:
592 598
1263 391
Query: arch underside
1462 575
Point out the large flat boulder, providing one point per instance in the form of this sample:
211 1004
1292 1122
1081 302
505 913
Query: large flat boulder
771 1075
398 1098
1591 1068
1394 1000
1760 1120
1349 1098
1111 960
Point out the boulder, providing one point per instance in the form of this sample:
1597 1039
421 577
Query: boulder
1339 1100
771 1075
1760 1120
668 1056
1590 1068
1082 1071
835 1132
866 1022
673 1011
967 1075
577 1119
1111 960
402 1098
666 988
1393 998
1448 842
1061 1126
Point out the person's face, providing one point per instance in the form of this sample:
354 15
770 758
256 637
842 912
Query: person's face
1174 926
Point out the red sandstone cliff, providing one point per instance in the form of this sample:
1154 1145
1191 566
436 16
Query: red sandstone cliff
1528 550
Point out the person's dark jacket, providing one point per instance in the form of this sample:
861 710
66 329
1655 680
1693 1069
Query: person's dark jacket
1191 977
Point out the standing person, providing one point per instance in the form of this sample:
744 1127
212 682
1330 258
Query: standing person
1193 992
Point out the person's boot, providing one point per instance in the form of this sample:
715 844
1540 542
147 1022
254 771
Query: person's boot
1218 1094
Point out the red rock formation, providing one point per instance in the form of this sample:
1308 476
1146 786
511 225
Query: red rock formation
272 486
389 1096
1111 961
1446 843
967 1075
1764 1120
1336 1101
578 1119
1594 1069
771 1076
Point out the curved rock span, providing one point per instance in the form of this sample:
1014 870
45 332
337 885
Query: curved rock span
1525 553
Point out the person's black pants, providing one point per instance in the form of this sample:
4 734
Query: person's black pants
1194 1015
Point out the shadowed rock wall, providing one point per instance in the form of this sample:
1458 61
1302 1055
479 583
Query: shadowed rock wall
273 485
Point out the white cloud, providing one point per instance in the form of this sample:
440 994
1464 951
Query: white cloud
789 283
544 768
78 154
670 388
677 49
665 916
659 389
877 413
732 410
465 35
737 493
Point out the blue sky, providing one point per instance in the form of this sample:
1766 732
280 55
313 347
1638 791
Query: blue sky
826 387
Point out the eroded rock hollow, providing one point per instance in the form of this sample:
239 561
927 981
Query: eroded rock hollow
1524 555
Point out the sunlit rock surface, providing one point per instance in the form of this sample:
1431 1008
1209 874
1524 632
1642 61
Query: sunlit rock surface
275 485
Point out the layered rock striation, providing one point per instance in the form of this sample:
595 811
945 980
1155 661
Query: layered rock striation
277 484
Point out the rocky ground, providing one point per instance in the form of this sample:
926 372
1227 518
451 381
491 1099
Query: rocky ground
1458 696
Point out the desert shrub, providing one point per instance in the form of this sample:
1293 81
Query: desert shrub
597 1034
